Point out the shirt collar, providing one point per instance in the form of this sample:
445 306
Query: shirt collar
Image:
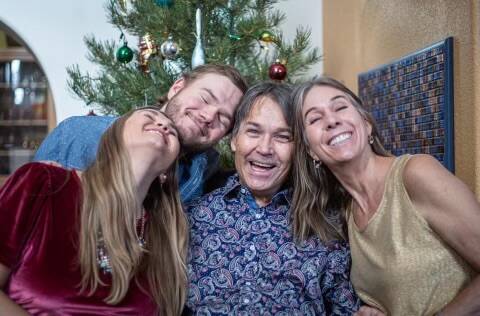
233 188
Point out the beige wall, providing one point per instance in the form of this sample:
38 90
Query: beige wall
363 34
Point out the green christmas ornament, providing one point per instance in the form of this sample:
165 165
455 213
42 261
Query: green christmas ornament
124 54
164 3
266 36
234 37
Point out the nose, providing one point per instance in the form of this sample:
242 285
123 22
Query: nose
331 121
208 114
264 146
164 127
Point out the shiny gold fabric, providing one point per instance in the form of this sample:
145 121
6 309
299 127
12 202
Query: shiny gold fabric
399 264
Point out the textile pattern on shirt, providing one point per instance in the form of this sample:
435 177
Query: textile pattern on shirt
243 260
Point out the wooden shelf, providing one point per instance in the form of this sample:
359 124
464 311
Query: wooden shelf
33 85
23 123
16 152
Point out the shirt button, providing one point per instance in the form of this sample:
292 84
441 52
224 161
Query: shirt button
246 300
243 190
248 283
252 248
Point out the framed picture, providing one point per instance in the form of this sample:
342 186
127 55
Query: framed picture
412 101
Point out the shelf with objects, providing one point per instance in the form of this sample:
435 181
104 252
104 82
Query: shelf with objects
25 105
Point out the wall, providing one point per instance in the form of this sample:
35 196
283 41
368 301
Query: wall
307 13
363 34
54 31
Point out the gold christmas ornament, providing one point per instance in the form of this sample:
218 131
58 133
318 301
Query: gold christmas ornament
147 48
266 36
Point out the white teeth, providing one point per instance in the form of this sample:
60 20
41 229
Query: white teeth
340 138
262 165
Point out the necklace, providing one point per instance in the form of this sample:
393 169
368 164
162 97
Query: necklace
103 259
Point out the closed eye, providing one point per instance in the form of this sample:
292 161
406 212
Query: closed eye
284 137
148 115
252 132
314 120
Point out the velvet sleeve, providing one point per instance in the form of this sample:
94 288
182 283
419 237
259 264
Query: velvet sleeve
21 200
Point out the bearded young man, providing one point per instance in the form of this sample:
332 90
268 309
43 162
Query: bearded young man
201 103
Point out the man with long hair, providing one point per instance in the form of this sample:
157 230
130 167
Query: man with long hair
243 258
201 103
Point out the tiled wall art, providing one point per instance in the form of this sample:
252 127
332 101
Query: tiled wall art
412 102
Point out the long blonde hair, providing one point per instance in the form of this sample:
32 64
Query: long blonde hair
108 210
320 202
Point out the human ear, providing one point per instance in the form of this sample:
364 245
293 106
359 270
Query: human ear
369 127
178 85
233 146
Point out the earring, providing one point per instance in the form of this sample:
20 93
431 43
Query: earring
317 163
163 178
370 139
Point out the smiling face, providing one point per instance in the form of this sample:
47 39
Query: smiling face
150 134
335 130
263 150
203 109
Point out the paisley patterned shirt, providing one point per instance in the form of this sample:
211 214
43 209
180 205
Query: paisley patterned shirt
243 260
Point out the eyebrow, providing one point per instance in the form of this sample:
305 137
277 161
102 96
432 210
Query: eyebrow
278 130
331 100
209 91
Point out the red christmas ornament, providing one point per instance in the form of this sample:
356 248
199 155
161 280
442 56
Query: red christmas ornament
277 71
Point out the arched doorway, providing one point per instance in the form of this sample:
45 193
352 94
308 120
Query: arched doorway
26 106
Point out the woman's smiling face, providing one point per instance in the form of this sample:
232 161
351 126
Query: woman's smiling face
335 130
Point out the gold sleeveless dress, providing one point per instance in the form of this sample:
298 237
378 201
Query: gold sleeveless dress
399 264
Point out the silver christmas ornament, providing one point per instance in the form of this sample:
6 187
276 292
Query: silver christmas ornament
169 48
173 67
198 56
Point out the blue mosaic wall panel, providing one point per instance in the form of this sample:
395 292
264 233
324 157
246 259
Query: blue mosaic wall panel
412 102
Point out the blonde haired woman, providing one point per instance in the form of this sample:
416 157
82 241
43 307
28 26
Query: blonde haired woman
412 225
109 241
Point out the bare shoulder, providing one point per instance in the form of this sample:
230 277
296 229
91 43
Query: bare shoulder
432 187
424 173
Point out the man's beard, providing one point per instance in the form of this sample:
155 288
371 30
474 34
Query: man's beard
172 109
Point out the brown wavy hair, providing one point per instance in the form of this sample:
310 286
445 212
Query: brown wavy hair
108 211
218 69
320 203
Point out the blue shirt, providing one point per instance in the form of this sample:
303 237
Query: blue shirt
74 142
243 260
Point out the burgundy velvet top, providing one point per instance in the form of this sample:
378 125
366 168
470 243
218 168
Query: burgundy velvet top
39 218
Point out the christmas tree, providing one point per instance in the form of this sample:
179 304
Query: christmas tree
172 35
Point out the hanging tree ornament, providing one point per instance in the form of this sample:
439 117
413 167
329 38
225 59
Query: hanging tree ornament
198 56
124 53
277 71
164 3
169 48
266 36
232 34
146 50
